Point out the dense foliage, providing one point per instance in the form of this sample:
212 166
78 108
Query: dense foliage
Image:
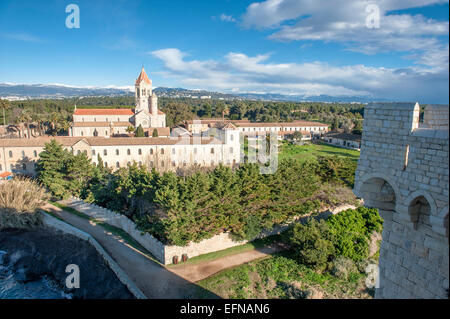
347 234
197 205
54 116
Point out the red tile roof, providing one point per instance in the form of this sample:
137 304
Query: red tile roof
143 77
103 112
5 174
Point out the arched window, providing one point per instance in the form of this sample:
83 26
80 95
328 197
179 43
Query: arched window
128 152
140 152
231 150
117 152
35 153
162 152
151 151
93 152
105 152
106 164
173 151
174 164
10 154
78 152
23 153
419 210
212 150
117 164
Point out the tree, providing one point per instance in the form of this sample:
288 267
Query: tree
51 169
25 117
5 105
139 132
297 136
130 129
78 172
312 244
155 133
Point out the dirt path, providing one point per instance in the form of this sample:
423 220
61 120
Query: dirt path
154 280
202 270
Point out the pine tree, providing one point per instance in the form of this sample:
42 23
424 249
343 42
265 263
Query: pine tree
155 133
51 169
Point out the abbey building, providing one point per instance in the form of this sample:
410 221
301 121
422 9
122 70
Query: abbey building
117 122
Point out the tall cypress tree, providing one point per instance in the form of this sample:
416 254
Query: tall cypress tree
140 132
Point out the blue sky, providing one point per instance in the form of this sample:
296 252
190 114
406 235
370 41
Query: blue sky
278 46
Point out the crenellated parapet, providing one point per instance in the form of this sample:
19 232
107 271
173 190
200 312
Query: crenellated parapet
403 171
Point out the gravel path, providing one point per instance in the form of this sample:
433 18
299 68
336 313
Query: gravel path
154 280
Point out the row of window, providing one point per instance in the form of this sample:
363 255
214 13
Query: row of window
117 152
174 164
10 154
248 129
95 119
12 167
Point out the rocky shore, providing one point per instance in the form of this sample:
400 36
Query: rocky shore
33 265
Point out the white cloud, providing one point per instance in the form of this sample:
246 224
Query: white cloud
344 21
21 36
227 18
238 71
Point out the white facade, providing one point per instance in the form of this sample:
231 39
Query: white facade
110 122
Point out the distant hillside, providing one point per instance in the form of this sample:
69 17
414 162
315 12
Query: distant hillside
54 91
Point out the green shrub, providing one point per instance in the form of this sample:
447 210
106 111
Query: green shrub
350 231
311 243
342 267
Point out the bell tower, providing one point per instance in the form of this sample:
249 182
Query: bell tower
143 91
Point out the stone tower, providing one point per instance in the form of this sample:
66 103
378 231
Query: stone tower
403 171
143 91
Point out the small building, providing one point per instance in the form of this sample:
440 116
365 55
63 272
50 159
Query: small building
347 140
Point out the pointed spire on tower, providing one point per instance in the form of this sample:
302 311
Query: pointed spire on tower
143 77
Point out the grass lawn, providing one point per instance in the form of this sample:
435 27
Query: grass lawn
280 276
311 151
257 243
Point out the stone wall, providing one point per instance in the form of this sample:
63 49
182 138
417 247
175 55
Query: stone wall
403 171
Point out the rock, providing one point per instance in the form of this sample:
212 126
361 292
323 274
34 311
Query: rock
42 252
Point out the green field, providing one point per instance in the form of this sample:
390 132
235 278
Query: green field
280 276
311 151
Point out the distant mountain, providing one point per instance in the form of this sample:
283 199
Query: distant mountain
58 91
55 91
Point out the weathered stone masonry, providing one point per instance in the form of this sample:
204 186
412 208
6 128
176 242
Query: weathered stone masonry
403 171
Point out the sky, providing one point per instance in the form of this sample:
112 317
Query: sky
390 49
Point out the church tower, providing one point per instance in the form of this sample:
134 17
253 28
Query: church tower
143 91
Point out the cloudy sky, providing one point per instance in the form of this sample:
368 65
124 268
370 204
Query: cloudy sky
391 49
